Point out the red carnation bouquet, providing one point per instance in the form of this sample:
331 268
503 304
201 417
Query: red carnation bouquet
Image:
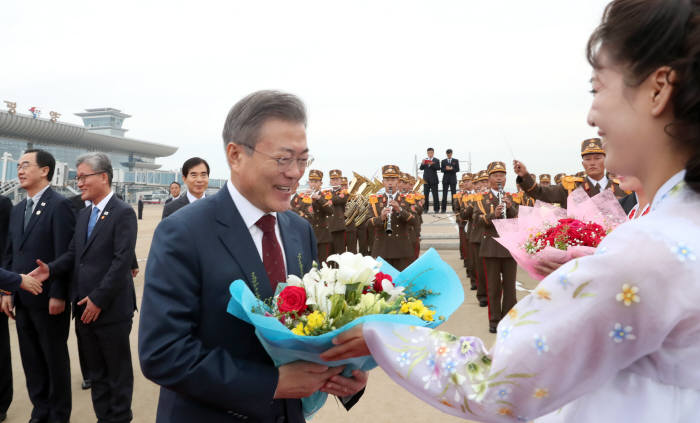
549 233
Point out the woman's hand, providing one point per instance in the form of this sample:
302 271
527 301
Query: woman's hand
348 344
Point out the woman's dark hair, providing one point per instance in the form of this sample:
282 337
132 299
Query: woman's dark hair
644 35
192 162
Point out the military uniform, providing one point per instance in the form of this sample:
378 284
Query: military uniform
337 219
499 266
463 225
557 194
475 234
350 228
317 212
395 247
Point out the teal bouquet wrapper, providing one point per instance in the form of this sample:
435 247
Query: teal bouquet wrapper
428 272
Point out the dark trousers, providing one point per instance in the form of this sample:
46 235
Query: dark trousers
324 250
362 239
43 346
6 364
400 263
81 359
477 273
449 186
427 189
351 241
107 353
500 285
338 242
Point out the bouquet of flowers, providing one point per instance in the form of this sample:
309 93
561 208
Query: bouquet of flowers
546 232
306 313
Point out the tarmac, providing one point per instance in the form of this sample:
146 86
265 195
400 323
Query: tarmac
383 400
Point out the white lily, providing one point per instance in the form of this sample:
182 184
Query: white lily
294 280
354 268
394 291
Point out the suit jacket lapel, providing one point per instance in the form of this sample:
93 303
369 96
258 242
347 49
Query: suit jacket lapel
101 221
236 238
291 244
36 214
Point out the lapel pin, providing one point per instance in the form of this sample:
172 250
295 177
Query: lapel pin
102 218
38 212
105 213
43 204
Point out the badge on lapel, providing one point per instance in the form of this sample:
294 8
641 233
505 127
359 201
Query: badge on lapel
103 215
38 212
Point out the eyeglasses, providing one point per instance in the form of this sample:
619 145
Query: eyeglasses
285 163
25 165
81 178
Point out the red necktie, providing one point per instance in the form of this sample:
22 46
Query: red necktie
272 252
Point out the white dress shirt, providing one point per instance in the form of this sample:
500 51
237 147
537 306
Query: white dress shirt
36 197
102 204
191 198
251 214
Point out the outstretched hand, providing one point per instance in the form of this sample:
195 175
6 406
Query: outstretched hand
348 344
30 284
41 273
519 168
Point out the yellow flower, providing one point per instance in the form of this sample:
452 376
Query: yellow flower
299 330
628 295
505 411
315 320
543 294
513 313
541 393
416 308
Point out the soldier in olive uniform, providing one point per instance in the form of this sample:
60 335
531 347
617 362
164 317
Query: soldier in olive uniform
557 178
392 221
593 182
350 228
499 266
545 180
336 222
317 207
458 207
409 196
475 234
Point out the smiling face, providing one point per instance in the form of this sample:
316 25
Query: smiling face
93 186
257 175
623 116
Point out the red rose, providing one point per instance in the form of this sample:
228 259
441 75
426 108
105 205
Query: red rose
378 278
292 298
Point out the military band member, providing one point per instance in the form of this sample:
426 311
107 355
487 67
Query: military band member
545 180
593 182
350 228
499 266
557 178
462 223
336 222
317 207
409 196
522 199
475 234
392 222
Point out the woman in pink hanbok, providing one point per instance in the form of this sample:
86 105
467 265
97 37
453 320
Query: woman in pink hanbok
615 336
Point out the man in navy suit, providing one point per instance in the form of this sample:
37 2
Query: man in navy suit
100 257
195 174
41 227
449 167
430 165
210 365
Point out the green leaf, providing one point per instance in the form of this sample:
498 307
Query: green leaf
415 362
520 375
466 405
527 322
579 289
531 312
502 382
495 375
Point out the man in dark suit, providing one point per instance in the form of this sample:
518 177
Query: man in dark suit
195 173
210 365
140 207
430 165
449 168
5 358
41 227
174 191
78 204
100 257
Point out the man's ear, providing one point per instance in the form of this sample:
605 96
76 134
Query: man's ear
233 154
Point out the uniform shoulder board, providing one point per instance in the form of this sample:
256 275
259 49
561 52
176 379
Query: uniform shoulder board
373 199
458 195
569 182
616 181
307 200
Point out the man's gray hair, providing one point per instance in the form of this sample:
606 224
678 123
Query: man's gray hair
99 162
247 116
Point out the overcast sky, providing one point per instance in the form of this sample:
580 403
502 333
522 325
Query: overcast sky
382 80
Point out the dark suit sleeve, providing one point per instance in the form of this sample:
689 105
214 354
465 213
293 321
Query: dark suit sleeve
436 164
456 166
64 264
422 165
442 166
113 282
134 262
9 281
5 244
170 353
62 226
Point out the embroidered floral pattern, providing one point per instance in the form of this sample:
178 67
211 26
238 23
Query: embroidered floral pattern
683 252
622 333
564 281
541 344
467 347
503 393
504 332
541 393
628 295
404 359
543 294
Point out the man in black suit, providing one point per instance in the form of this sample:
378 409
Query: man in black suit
174 191
449 168
41 227
195 173
140 207
430 165
100 257
210 365
5 358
